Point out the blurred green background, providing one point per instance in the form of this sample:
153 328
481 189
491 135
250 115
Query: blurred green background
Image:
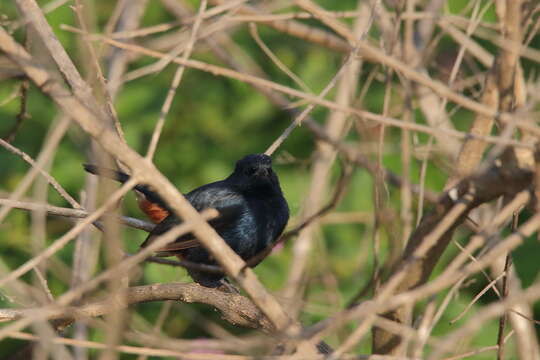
213 122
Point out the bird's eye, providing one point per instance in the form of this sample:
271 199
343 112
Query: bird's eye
250 170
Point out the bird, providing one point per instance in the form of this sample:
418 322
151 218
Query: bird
253 213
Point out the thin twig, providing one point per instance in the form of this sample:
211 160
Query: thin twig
74 213
175 83
474 106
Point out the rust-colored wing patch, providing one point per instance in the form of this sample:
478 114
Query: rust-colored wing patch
155 213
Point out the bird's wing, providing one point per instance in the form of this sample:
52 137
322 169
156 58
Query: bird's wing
220 196
229 203
168 223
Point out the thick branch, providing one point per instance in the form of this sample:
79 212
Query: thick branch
487 186
234 308
144 170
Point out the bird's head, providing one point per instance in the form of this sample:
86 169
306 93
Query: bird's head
254 172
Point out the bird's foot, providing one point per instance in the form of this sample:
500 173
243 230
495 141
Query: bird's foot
226 286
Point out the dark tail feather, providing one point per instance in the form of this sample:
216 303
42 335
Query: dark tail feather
123 177
108 173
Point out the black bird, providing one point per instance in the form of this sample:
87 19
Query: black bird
251 206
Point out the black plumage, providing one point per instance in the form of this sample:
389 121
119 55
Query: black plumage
252 213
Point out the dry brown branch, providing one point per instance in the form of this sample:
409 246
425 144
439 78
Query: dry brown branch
353 156
111 272
98 78
495 182
305 113
128 20
498 40
324 158
513 98
311 34
149 351
49 178
175 83
430 103
435 81
255 35
73 213
33 14
49 147
374 54
22 115
446 279
471 152
147 173
437 87
62 241
469 158
494 310
236 309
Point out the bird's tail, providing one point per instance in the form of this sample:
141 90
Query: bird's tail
121 177
108 173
